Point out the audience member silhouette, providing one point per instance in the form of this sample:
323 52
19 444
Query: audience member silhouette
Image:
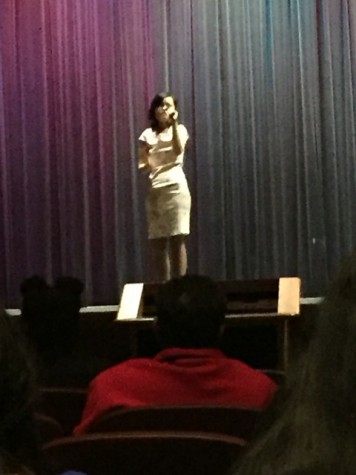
18 437
190 369
310 428
51 319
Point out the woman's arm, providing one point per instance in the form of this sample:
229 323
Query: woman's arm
143 153
178 141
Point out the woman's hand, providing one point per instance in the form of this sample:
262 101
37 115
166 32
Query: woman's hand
173 117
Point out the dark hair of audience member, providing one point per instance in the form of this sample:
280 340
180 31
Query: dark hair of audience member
18 436
310 428
51 315
65 304
190 312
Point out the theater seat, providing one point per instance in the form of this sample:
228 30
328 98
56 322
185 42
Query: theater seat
48 428
143 453
63 404
228 420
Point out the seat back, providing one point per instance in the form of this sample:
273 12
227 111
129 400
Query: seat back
277 375
66 405
148 453
228 420
48 428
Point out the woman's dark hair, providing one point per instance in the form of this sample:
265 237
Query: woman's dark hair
311 426
18 436
156 102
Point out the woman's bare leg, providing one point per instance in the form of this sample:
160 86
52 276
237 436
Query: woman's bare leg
161 264
178 254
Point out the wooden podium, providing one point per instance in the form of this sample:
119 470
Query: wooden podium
250 301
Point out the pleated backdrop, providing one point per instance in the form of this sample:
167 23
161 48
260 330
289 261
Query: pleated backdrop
267 91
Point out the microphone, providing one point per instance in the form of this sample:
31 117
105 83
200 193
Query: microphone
172 115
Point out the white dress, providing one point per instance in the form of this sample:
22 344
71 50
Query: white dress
168 201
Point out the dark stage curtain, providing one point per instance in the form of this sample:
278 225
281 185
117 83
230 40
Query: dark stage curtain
267 92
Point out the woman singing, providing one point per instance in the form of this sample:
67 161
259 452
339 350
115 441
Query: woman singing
161 153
